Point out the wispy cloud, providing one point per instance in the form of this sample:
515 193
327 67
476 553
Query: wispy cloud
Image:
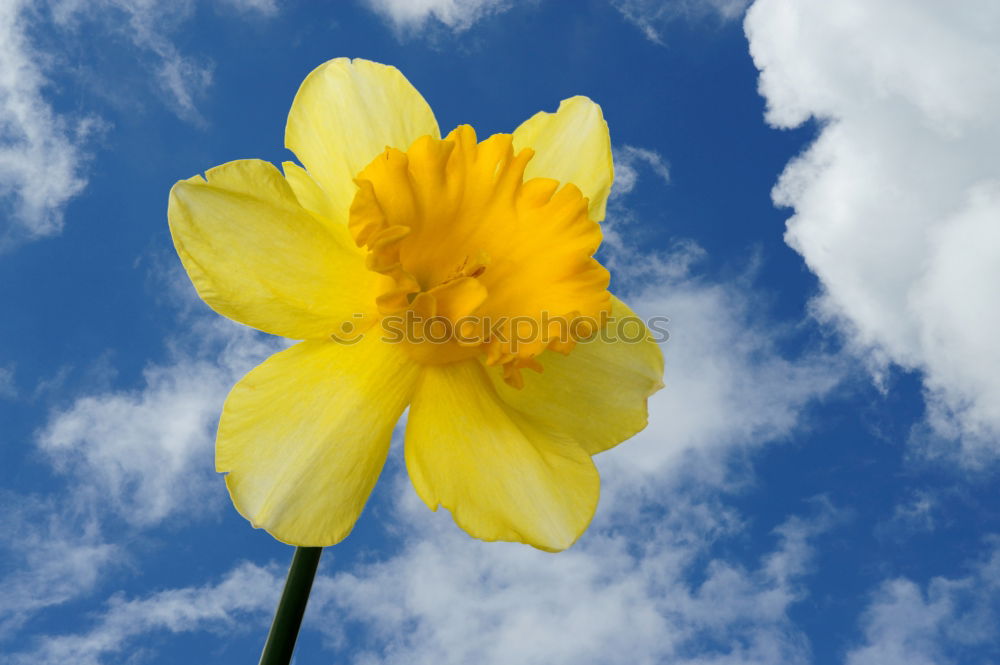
149 26
895 203
8 387
628 160
41 152
653 17
910 624
240 601
147 452
128 456
916 513
613 598
44 153
52 555
457 15
728 384
259 7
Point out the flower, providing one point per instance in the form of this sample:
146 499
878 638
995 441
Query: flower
491 242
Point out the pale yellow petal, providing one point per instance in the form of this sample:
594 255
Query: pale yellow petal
571 145
502 477
257 256
304 436
348 111
310 195
596 395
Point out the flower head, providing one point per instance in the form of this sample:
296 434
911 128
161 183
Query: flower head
454 276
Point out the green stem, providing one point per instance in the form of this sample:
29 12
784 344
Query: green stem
288 617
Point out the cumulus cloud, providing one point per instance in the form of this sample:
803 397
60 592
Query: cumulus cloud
238 602
457 15
907 624
895 203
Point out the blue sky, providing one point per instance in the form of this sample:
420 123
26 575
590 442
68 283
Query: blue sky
808 190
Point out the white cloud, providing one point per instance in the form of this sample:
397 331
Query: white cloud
138 456
259 7
653 16
896 202
241 600
456 14
41 159
728 386
148 25
8 388
919 512
909 625
148 452
51 556
44 154
445 598
628 160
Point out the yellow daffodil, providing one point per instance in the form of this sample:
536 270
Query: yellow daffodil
387 232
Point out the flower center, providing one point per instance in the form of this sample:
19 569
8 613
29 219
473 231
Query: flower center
476 259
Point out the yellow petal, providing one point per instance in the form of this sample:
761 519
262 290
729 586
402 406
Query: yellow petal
304 436
571 145
501 477
596 395
310 195
257 256
345 113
